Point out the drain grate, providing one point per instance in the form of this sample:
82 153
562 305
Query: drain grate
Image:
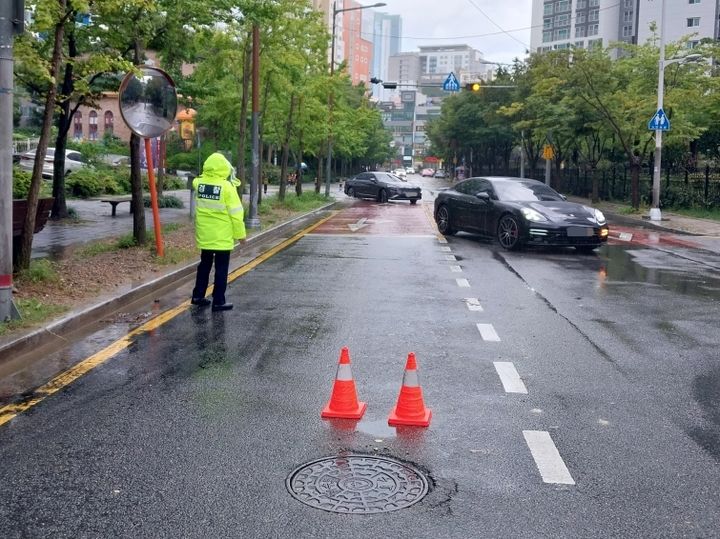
357 484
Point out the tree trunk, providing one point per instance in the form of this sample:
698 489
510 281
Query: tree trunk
59 209
137 205
595 196
41 151
242 124
318 176
635 181
286 148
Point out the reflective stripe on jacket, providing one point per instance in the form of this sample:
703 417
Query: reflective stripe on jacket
218 209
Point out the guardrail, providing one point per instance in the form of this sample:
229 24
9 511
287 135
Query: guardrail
22 146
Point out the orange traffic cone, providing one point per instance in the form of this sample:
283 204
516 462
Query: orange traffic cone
343 402
410 408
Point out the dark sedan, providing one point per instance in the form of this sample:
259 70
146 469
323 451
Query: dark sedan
382 186
519 212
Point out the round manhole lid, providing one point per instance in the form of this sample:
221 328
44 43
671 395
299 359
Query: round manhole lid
357 484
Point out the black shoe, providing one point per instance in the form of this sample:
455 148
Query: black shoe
202 302
223 307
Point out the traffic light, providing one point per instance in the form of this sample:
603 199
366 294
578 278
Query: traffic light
473 86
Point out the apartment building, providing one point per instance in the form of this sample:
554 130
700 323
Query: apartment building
561 24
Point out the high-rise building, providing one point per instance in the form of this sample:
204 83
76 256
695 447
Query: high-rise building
437 62
561 24
357 52
384 31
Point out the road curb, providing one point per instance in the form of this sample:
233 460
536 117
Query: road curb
59 330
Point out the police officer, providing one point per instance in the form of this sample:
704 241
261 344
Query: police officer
218 223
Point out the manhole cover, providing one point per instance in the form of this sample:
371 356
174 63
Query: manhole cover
357 484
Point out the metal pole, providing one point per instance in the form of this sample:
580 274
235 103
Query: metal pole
159 246
7 309
655 214
253 221
328 167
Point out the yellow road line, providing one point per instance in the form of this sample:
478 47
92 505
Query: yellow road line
64 379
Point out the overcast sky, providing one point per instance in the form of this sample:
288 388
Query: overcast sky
452 22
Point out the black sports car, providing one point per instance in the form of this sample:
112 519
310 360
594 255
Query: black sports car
519 212
382 186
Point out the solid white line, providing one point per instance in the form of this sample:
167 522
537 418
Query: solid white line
462 283
509 377
488 333
473 304
456 269
450 258
547 457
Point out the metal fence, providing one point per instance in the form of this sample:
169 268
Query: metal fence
680 187
22 146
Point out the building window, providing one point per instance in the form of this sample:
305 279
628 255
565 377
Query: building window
92 126
580 18
562 20
594 15
629 3
693 1
547 23
563 5
594 3
547 36
77 126
693 22
592 29
562 33
548 9
627 31
580 31
595 44
579 44
693 43
581 4
628 16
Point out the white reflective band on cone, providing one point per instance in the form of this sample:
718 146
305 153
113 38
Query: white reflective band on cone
410 379
344 372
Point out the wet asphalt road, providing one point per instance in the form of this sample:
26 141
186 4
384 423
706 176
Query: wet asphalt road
193 429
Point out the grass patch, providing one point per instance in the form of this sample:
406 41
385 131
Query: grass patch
274 211
95 249
701 213
175 255
32 312
125 242
39 271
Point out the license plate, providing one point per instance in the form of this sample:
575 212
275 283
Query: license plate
579 231
410 193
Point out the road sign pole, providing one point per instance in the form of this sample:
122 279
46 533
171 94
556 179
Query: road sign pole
655 214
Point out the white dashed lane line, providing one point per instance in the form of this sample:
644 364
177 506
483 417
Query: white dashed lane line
450 258
509 377
442 240
456 269
488 333
473 304
445 249
547 457
462 283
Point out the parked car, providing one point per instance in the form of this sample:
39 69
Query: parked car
427 172
400 172
519 212
440 174
73 161
409 170
382 186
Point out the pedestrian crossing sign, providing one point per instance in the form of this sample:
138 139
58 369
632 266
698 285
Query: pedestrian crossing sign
659 122
451 83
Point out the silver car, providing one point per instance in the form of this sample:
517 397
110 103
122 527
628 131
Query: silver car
73 161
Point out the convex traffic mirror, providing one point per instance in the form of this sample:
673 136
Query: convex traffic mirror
148 102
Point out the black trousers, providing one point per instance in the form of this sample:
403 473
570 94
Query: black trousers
222 262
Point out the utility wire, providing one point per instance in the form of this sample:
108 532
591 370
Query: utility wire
472 3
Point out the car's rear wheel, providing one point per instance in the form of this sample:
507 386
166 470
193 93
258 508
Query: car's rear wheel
351 192
442 218
382 196
508 232
413 201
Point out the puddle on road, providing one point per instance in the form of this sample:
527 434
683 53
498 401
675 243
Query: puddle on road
675 273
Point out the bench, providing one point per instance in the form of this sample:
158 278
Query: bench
19 211
114 201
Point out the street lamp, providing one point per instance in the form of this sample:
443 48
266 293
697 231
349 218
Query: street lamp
335 11
655 214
